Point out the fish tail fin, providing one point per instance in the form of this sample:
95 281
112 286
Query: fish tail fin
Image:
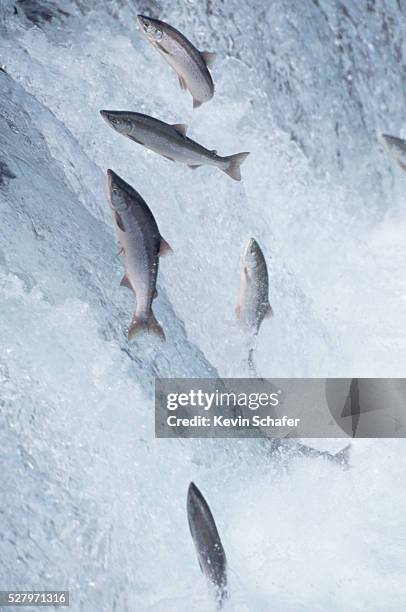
235 162
149 325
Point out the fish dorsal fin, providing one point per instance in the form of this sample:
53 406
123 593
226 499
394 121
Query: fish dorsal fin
180 127
213 151
209 58
164 248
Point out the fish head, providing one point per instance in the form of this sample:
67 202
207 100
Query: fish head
152 28
118 120
118 192
252 255
195 500
395 145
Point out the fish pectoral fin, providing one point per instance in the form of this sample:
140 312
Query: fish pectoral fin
125 282
268 311
402 165
196 103
182 83
246 275
164 248
119 221
145 324
167 157
194 166
238 311
155 293
209 58
161 48
135 140
181 128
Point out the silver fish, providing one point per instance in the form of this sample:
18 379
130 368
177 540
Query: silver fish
253 304
190 64
171 141
209 549
397 148
141 245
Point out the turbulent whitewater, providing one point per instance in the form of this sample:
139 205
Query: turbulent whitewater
90 501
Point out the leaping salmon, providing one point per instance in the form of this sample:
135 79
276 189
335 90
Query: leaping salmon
141 245
209 549
190 64
253 305
171 141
